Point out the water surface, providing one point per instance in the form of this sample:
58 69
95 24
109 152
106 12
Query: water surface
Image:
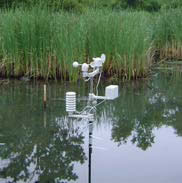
136 138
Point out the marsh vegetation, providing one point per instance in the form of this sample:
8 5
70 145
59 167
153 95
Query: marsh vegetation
42 42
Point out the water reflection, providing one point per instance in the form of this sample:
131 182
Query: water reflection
141 110
44 146
37 146
45 155
90 152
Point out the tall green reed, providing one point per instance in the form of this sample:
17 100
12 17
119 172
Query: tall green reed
41 43
124 37
167 34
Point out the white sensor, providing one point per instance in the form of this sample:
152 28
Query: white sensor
70 101
85 67
103 58
111 92
75 64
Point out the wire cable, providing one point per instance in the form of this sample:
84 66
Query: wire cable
98 83
94 107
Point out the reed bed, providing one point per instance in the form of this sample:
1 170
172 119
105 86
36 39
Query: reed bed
124 38
39 43
168 35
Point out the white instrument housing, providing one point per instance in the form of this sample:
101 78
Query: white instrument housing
70 102
111 92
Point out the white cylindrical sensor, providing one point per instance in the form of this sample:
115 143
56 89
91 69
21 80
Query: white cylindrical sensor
70 101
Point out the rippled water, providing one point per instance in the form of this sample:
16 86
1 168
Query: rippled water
136 138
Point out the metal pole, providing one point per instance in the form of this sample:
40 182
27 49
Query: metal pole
45 119
90 151
91 85
45 97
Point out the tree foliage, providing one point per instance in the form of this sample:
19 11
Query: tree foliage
82 5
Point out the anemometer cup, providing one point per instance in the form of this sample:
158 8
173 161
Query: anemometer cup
75 64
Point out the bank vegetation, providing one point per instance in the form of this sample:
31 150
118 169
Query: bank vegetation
41 43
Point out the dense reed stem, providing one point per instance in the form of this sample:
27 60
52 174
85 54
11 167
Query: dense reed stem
40 43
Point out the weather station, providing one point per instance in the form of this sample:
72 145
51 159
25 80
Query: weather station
89 71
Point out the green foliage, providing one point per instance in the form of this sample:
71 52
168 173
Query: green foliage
42 43
46 46
168 4
123 37
151 6
39 44
168 27
84 5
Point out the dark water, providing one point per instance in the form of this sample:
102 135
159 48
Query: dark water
136 138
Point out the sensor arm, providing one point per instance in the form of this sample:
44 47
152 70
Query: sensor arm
92 96
94 73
